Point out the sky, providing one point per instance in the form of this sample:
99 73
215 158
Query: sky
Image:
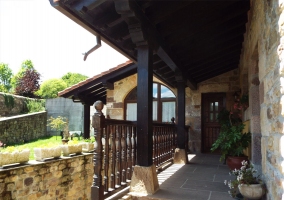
34 30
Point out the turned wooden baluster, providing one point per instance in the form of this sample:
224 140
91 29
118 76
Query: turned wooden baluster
159 150
97 189
163 145
133 152
112 157
169 143
129 146
123 154
118 155
154 146
106 158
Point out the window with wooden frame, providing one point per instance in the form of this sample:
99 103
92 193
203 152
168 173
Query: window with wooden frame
164 104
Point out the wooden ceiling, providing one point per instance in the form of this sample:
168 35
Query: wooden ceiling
197 39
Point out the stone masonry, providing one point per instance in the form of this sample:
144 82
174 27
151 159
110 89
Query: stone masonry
66 178
11 105
23 128
262 61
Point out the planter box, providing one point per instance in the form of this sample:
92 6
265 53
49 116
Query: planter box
87 147
67 150
45 153
16 157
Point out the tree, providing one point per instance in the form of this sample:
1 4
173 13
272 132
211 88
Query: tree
58 124
73 78
28 84
27 64
50 88
5 78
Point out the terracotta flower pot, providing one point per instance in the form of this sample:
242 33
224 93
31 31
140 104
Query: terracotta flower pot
235 162
253 191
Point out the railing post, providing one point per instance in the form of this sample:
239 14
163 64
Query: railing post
97 189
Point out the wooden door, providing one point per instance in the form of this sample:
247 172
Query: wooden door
212 104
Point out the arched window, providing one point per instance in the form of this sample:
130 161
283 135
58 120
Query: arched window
164 104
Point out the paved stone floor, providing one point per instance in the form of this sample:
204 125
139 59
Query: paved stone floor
201 179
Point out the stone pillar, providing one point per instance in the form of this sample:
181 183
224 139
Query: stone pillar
255 125
254 106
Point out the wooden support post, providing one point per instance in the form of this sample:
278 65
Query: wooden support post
144 106
181 115
97 189
86 121
180 153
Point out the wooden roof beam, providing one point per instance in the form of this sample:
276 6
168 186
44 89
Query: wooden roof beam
224 69
212 67
226 34
214 55
85 5
138 24
218 59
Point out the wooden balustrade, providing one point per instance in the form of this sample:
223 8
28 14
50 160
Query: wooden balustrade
115 159
164 143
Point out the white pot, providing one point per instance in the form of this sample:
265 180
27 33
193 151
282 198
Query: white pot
15 157
43 153
87 147
253 191
71 149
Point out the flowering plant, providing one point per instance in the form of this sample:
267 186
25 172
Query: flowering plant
89 140
245 175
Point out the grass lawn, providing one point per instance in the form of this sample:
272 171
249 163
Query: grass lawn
54 140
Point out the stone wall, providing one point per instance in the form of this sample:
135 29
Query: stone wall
23 127
115 97
262 62
66 178
11 105
227 83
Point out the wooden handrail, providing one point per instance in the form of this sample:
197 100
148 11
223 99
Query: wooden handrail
115 159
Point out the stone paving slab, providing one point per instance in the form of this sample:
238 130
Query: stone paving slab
204 185
201 179
180 194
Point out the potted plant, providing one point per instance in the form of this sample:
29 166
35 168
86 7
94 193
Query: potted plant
71 148
247 182
47 151
88 145
13 155
231 140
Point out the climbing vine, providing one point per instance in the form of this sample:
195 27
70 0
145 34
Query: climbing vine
33 105
9 101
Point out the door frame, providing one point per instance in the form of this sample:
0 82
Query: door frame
203 96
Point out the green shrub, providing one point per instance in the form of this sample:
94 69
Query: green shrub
36 105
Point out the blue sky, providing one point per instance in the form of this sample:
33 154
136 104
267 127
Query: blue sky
34 30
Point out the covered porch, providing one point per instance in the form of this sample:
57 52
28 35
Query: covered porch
194 48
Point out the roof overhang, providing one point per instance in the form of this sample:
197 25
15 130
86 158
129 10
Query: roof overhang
198 39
